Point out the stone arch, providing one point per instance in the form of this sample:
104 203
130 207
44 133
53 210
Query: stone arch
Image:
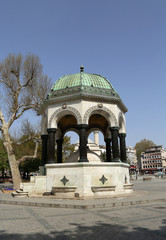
107 113
60 111
93 130
121 122
72 130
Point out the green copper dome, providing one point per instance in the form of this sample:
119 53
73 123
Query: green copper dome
82 83
82 79
83 86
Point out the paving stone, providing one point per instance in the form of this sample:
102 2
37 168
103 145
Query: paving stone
141 217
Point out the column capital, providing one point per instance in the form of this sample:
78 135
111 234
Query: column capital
122 135
44 136
107 139
49 130
115 128
81 126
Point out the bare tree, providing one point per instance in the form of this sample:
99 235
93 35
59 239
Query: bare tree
23 87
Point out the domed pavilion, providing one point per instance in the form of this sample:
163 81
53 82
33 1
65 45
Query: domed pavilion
84 103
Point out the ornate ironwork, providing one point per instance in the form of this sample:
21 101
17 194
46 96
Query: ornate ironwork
103 179
64 180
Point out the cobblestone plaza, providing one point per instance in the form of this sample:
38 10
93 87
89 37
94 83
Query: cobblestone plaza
137 221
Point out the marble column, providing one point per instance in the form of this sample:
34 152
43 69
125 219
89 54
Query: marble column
115 146
123 147
59 150
96 137
83 142
44 138
51 145
108 149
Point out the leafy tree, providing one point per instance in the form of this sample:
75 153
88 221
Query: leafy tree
30 165
67 148
23 87
142 146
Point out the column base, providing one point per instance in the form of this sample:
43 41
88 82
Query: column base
83 160
116 160
50 162
59 162
123 161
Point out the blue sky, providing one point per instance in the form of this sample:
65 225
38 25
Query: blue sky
125 41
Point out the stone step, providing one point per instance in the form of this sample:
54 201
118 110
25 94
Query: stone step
19 193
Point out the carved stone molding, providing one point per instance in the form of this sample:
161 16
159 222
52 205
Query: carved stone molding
71 109
121 122
104 110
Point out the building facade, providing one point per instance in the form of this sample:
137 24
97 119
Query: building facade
163 158
151 159
131 158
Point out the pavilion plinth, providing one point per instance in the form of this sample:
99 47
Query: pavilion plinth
86 180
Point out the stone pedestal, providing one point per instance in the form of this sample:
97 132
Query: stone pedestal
87 180
82 180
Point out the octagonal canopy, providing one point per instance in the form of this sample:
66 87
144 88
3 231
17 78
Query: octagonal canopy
83 85
83 79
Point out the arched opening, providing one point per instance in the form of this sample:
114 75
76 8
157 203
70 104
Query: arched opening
66 122
96 143
74 136
71 147
98 121
68 145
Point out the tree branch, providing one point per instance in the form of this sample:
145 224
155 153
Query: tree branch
2 119
26 140
15 116
29 157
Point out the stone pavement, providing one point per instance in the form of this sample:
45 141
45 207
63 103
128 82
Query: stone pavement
144 192
138 222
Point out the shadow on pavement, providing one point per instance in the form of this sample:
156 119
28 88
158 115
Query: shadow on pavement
100 231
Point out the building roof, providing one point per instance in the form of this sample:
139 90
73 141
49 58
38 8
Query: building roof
82 79
84 85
